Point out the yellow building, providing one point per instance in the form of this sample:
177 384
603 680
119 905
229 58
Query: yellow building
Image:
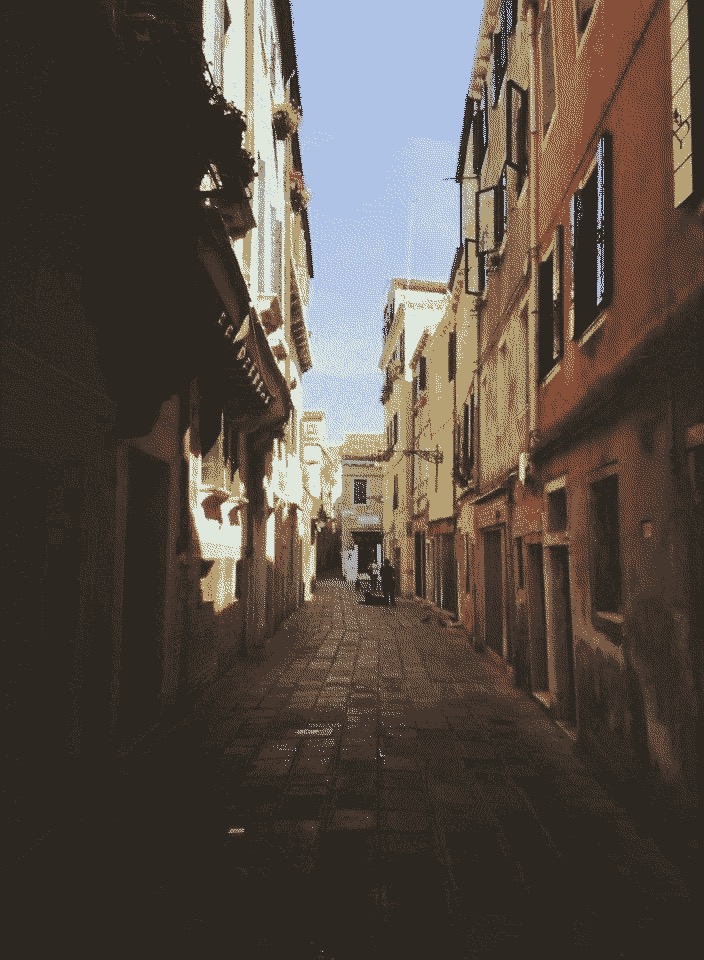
359 506
412 307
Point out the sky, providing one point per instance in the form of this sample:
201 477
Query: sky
383 86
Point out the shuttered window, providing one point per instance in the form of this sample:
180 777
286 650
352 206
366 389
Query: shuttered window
547 67
517 132
422 373
451 355
591 215
550 307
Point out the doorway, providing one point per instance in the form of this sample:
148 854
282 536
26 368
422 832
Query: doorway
494 591
367 544
420 564
537 634
560 615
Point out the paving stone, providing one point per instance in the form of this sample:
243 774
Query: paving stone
398 799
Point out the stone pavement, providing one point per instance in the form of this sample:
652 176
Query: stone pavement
370 787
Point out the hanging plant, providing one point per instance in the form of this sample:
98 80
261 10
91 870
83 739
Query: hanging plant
300 196
285 119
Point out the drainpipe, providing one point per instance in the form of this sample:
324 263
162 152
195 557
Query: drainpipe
532 372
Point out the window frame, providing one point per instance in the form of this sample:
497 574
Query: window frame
517 132
555 308
600 174
357 483
451 355
608 620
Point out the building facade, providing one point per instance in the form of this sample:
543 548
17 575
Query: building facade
412 307
151 395
582 510
360 504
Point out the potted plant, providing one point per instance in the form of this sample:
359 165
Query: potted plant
300 197
286 118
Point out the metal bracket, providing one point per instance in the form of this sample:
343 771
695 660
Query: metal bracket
432 456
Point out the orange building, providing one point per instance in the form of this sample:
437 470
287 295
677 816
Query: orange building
580 521
617 422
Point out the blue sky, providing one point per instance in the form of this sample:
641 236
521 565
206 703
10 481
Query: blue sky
383 85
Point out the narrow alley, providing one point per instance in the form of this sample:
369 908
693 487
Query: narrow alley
370 786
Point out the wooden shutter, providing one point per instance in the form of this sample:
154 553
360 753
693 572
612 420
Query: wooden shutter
557 294
545 316
547 67
604 222
516 131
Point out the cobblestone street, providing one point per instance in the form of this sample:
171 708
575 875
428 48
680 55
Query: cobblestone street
369 787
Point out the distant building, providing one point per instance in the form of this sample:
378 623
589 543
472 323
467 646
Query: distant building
360 504
320 467
412 307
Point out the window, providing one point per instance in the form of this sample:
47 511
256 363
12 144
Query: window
498 46
360 491
501 211
480 132
394 430
548 68
550 307
583 9
468 433
415 391
606 560
517 132
276 254
395 503
422 374
402 347
557 510
261 231
508 11
592 241
451 355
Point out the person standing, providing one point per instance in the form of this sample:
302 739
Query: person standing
388 582
374 573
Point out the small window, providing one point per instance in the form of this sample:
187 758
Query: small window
606 547
395 502
548 68
360 491
550 308
591 215
501 211
402 347
422 374
557 510
517 132
394 430
451 355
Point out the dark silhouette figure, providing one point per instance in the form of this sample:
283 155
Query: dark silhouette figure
388 582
